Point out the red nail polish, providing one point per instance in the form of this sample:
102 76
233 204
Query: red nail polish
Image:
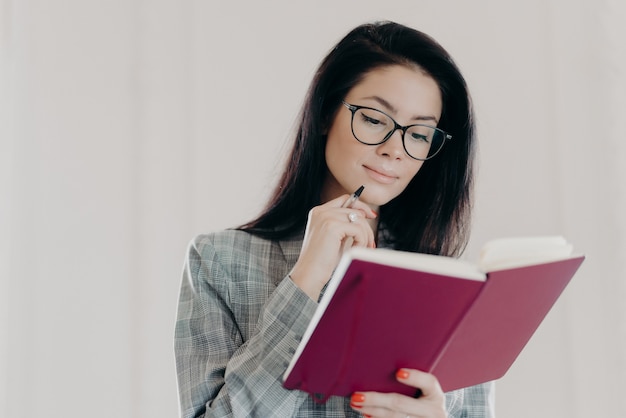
357 398
402 374
355 406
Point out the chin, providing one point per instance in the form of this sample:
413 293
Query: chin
378 197
378 201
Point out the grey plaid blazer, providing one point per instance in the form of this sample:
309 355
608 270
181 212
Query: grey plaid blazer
240 319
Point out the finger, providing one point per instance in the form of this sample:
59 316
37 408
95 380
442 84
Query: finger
431 402
360 231
425 382
396 405
339 202
357 204
377 404
365 209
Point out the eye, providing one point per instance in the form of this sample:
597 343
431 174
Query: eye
417 137
372 118
421 134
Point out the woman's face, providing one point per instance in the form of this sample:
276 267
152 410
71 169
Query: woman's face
409 96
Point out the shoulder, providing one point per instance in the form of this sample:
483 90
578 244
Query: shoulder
241 256
236 249
229 244
225 257
225 238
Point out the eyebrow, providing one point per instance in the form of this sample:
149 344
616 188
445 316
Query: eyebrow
390 108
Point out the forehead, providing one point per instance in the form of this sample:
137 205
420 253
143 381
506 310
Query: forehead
400 90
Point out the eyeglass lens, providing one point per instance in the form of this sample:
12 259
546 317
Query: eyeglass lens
373 127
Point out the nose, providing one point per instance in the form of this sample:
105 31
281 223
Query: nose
393 146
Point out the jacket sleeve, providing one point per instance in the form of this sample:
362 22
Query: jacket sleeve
220 374
478 402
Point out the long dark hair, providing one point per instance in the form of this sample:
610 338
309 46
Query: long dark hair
432 214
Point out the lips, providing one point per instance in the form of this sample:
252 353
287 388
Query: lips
381 174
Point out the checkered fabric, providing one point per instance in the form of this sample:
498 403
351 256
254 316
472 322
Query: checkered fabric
240 319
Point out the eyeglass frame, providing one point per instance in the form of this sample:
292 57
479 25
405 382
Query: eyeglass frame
354 108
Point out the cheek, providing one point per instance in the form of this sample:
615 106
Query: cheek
415 167
340 159
336 137
341 145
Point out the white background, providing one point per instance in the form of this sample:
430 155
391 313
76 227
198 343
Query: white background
129 126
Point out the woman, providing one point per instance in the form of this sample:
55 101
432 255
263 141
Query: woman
387 109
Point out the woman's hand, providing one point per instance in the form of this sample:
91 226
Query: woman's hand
329 226
430 404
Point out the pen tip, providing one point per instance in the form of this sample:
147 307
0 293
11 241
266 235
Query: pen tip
359 191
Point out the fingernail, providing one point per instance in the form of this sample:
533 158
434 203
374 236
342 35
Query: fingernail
402 374
375 213
355 406
357 398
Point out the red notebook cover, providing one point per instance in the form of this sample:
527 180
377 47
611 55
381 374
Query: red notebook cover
465 332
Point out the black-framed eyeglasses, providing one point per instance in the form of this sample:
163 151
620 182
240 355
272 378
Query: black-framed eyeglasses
373 127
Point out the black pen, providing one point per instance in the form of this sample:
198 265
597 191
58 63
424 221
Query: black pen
353 198
351 216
